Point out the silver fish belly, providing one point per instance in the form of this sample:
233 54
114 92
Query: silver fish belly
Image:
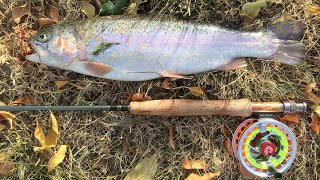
144 48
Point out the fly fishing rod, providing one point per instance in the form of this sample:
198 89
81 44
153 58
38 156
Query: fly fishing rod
263 145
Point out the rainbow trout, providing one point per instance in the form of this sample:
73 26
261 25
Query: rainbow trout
143 48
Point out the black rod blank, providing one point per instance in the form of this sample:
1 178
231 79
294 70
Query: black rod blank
66 108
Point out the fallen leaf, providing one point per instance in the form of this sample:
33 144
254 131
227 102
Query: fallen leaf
310 95
196 91
316 108
291 118
39 134
88 9
2 127
145 170
139 97
45 21
8 116
27 99
54 13
314 10
49 140
194 164
244 172
166 84
19 12
207 176
225 132
252 9
6 168
278 20
60 84
315 123
171 141
228 146
57 158
132 7
52 136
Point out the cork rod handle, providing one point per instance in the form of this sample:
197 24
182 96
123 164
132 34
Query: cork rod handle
185 107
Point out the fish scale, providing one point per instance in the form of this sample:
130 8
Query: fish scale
138 48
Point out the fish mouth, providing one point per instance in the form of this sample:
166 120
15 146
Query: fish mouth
33 57
36 57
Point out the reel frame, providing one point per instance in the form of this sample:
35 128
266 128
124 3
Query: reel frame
248 140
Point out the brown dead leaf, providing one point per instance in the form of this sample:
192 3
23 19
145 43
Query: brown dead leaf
314 10
196 91
171 141
57 158
228 146
225 132
88 9
139 97
6 168
244 172
54 13
291 118
310 95
2 127
8 116
315 123
166 84
194 164
207 176
60 84
27 99
19 12
46 21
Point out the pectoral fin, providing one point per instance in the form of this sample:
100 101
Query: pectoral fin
97 68
235 64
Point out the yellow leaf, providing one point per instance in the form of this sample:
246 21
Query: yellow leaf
88 9
38 133
50 140
52 136
6 168
313 10
145 170
132 7
19 12
194 164
196 91
207 176
252 9
316 109
61 84
8 116
57 158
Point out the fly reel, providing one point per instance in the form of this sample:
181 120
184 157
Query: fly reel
265 147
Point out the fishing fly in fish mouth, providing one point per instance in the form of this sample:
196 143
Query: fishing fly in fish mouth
143 48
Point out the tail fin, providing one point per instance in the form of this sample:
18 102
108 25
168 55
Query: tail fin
290 49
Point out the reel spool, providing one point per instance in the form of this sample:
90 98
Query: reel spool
265 147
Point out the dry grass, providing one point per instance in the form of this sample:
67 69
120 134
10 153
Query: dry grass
120 140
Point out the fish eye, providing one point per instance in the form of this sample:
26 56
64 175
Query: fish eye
42 38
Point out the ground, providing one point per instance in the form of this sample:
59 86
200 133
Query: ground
121 140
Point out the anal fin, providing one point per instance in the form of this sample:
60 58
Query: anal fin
174 75
235 64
